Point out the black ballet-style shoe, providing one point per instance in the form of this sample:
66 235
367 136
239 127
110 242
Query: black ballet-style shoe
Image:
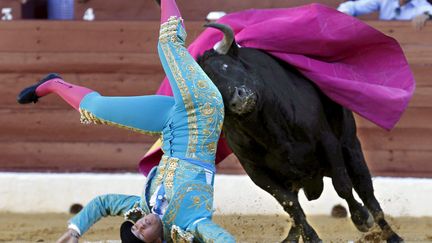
158 2
28 94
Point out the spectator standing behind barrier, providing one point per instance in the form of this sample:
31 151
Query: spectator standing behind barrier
419 11
34 9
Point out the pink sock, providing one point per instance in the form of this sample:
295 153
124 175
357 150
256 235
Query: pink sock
168 9
72 94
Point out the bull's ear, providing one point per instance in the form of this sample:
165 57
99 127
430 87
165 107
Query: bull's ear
227 46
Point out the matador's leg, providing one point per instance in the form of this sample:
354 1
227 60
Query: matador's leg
53 83
184 74
145 114
197 100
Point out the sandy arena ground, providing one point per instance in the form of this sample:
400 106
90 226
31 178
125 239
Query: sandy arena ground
48 227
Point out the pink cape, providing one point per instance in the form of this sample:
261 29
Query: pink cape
352 63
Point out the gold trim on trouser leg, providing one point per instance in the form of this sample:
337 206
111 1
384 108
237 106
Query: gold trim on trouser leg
168 39
88 118
202 100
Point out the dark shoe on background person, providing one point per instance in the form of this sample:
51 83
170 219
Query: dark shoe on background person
28 94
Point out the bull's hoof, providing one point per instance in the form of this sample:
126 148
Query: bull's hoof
309 235
317 240
293 235
290 241
362 219
394 238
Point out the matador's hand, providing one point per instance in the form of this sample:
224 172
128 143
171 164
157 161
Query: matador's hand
71 236
419 21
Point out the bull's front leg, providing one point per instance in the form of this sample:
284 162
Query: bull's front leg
288 199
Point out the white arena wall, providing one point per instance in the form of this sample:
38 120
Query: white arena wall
234 194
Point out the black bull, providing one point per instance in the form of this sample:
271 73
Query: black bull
288 135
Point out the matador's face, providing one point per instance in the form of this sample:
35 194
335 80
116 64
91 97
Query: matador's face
148 228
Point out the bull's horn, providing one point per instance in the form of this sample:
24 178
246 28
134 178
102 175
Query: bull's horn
228 42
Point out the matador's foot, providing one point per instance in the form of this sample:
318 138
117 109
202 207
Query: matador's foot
158 2
28 94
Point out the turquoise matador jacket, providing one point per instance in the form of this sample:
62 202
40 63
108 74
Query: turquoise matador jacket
180 188
187 218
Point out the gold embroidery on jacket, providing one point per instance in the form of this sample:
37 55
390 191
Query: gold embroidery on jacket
166 172
170 173
206 201
157 180
183 172
180 236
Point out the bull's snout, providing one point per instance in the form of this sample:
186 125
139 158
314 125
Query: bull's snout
242 101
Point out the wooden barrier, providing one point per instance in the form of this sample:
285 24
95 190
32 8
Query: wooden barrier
191 9
195 10
149 10
119 58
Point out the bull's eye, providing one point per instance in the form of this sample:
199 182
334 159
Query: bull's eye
224 67
240 92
